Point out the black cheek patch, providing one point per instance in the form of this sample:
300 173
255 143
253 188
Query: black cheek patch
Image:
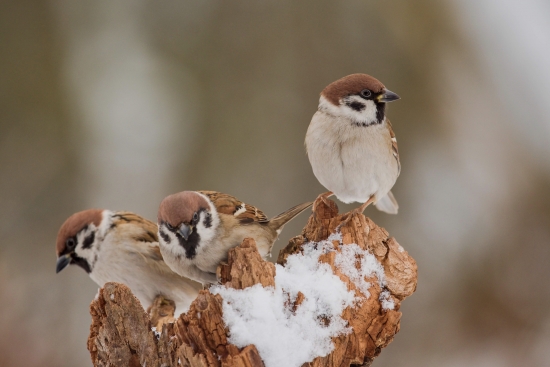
88 241
207 220
164 236
357 106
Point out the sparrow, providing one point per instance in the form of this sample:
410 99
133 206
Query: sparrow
122 247
351 145
198 228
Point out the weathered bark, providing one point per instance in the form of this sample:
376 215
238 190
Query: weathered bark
161 312
373 328
121 333
245 267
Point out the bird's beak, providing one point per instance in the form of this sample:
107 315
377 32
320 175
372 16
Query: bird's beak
62 262
184 230
388 96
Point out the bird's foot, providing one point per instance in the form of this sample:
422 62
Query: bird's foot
324 197
357 211
362 208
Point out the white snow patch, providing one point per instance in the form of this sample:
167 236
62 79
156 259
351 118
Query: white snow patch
283 337
112 297
386 300
347 260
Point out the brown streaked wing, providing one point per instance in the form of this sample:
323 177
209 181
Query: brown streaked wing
230 205
150 229
148 236
394 146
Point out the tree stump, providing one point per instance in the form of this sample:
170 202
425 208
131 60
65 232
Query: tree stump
122 333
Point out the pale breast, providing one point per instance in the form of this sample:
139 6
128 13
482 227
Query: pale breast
352 161
131 263
323 149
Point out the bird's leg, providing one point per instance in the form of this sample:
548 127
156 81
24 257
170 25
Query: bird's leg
324 197
346 217
362 208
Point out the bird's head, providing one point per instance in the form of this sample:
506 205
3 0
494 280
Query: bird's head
186 220
358 97
78 239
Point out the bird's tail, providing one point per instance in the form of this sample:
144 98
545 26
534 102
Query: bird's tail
387 204
280 220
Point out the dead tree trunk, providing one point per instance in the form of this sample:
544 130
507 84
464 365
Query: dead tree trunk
121 332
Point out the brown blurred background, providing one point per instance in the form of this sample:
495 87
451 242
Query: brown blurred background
116 104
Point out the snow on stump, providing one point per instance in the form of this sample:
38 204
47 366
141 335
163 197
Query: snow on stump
333 299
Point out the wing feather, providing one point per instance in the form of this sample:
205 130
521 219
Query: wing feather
230 205
394 146
148 235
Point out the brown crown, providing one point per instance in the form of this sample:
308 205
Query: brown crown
74 224
179 208
351 84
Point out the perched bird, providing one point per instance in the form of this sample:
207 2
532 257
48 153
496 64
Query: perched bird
198 228
122 247
351 145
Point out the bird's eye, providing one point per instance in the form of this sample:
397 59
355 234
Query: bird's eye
169 226
365 93
70 243
196 217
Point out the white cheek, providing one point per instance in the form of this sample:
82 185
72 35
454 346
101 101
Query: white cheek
208 233
369 113
174 245
90 253
366 115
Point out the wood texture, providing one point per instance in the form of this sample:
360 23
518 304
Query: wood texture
373 328
121 333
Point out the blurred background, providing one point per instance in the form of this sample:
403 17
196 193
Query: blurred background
116 104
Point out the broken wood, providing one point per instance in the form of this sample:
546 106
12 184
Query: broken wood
121 333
